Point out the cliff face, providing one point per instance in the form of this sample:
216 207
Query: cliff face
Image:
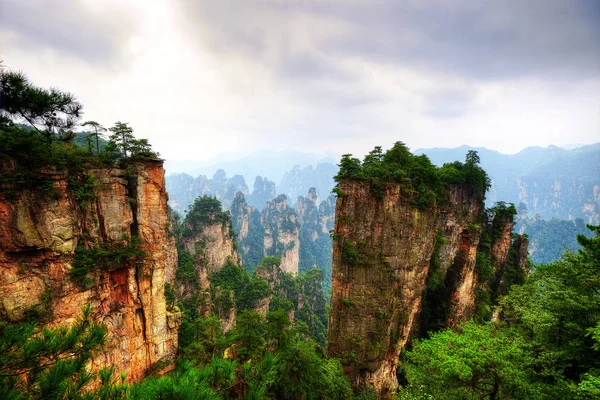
391 262
281 233
211 246
38 239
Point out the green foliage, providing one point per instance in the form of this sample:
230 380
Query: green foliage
206 340
557 308
303 374
48 363
544 347
247 291
348 303
98 134
46 142
249 333
350 254
478 362
170 296
52 113
123 142
500 217
83 188
549 239
256 290
415 173
186 383
277 324
435 308
205 211
107 256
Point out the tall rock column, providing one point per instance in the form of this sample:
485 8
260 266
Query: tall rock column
381 253
385 253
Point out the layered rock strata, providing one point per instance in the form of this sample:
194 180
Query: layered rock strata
38 238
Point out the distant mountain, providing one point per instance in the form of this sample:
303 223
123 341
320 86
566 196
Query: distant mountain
266 163
299 180
553 182
183 189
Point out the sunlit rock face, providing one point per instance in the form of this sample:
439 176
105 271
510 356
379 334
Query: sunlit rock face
38 238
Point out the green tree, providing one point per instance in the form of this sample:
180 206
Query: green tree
350 168
277 323
98 132
53 113
121 138
556 309
249 333
48 363
304 374
477 362
472 158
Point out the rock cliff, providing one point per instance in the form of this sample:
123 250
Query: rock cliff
281 233
398 270
207 243
316 220
41 237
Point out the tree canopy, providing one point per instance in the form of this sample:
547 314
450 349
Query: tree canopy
416 173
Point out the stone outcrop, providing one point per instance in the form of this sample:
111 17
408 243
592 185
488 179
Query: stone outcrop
392 261
211 244
38 239
281 233
240 215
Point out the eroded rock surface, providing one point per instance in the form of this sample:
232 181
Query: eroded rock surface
38 238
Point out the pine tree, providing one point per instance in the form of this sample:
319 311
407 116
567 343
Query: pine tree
121 137
98 132
48 363
53 113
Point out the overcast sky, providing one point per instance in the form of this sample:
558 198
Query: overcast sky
203 77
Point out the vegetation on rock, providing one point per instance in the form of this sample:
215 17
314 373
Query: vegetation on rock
544 345
415 173
37 131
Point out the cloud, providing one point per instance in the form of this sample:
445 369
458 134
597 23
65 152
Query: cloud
473 39
203 77
95 32
482 40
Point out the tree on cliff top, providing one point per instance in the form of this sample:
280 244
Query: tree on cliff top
98 132
123 141
416 173
53 113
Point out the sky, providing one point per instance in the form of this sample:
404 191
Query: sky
199 78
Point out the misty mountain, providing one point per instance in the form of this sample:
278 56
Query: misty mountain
265 163
551 181
298 181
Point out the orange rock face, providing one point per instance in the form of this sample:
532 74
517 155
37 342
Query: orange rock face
38 238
